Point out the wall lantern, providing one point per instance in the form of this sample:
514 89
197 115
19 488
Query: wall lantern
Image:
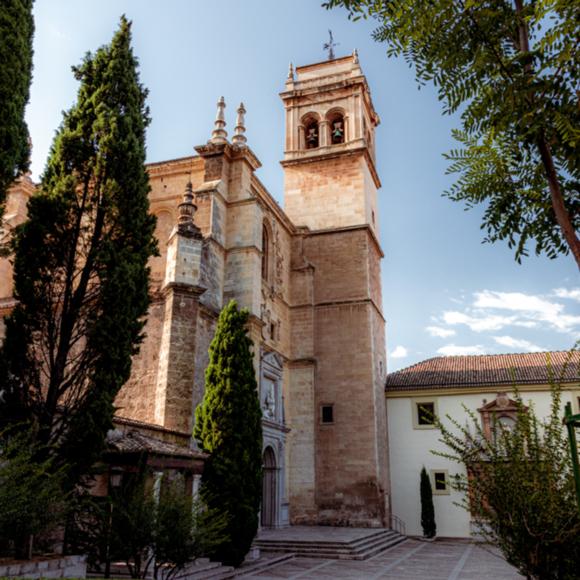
115 477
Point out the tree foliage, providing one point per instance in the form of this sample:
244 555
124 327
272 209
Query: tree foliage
80 267
154 535
427 508
512 71
16 32
519 485
32 500
228 427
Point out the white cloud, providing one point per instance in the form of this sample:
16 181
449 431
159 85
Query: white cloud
530 307
454 350
516 301
399 352
492 310
440 332
572 294
511 342
496 316
479 323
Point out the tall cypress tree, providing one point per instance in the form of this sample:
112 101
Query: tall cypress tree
228 426
80 271
427 508
16 31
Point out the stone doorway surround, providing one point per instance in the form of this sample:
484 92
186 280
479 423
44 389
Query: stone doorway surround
274 512
269 485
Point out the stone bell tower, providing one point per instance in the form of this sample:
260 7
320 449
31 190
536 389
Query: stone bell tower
329 161
335 403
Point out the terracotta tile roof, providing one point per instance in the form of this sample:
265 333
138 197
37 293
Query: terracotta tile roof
135 442
149 426
493 369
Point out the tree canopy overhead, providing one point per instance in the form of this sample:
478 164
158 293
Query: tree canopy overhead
512 72
80 265
16 31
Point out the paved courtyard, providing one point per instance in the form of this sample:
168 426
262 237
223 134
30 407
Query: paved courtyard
410 560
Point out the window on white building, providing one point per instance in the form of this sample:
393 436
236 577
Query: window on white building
440 482
424 414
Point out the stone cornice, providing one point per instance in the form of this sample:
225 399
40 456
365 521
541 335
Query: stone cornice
330 231
178 165
302 362
179 288
331 152
340 304
245 153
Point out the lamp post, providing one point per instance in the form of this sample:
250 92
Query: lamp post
572 422
115 478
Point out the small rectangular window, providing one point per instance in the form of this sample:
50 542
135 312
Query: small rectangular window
440 479
327 414
426 413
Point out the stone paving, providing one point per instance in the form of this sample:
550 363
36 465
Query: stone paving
410 560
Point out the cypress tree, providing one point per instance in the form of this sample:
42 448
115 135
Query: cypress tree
80 270
16 32
228 426
427 509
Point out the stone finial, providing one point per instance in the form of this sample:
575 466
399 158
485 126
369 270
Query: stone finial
219 134
239 137
290 78
187 209
355 56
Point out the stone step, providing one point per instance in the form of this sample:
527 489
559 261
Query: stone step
359 544
262 564
372 535
360 549
203 568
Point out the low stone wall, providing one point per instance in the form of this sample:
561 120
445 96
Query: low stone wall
66 567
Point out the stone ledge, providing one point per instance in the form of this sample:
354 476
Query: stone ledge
66 567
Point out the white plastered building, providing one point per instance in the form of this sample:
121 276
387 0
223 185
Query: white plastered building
446 386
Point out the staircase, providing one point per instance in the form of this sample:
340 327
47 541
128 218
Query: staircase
360 546
203 569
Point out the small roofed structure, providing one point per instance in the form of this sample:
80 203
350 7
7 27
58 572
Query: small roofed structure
133 446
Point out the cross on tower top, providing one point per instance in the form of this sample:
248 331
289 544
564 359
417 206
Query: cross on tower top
330 46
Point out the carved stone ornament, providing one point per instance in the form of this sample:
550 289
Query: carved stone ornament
266 316
502 400
269 406
279 256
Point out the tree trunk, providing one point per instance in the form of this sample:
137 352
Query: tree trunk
560 211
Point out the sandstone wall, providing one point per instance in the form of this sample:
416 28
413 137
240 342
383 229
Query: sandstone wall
338 471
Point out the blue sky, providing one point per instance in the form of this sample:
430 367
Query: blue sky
444 292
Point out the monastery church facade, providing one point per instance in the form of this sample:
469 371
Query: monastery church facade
309 275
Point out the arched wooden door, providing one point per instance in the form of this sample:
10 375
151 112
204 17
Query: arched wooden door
269 485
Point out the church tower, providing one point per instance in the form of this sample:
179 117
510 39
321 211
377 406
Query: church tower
329 160
337 449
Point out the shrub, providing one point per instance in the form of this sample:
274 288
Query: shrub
427 508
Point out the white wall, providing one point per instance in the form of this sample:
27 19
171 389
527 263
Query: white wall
410 450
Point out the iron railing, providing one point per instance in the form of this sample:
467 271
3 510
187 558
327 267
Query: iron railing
398 525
